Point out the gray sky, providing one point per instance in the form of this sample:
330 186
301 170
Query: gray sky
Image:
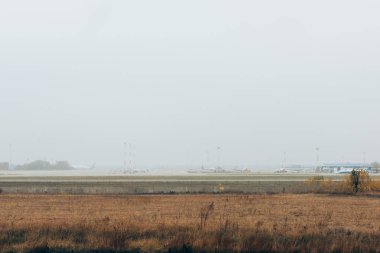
177 78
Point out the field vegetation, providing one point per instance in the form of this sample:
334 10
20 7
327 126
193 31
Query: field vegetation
356 181
190 223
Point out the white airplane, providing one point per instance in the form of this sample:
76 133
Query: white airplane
202 170
244 170
287 170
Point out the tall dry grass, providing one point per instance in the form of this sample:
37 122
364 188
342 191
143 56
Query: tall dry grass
364 184
191 223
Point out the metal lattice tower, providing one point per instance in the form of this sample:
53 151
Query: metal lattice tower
125 157
130 159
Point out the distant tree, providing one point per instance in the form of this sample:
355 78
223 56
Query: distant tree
36 165
62 165
44 165
39 165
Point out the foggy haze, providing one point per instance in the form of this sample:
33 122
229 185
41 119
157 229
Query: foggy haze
178 79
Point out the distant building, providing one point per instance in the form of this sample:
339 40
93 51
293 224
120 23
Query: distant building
344 168
4 166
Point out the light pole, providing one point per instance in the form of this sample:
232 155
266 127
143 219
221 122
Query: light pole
10 156
125 157
130 159
317 165
219 165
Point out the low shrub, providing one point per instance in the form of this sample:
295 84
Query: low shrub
356 181
359 180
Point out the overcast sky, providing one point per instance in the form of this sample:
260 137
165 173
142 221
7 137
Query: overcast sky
179 78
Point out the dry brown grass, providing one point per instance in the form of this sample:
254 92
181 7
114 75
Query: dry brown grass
319 184
221 223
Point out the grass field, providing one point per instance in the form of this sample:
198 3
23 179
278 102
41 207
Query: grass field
189 223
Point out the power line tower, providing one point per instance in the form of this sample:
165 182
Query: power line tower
218 149
125 157
128 158
317 167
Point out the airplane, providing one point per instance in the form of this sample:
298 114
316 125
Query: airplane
135 171
218 170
